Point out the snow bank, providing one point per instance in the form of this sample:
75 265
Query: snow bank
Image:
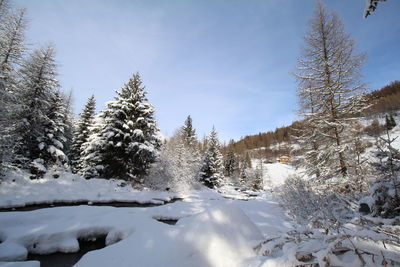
18 190
220 236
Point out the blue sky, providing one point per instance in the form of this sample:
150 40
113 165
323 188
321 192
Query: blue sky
227 63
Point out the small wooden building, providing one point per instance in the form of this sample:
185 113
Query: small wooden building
284 159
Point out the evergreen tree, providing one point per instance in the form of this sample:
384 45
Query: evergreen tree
330 93
90 163
82 132
37 92
127 140
390 122
257 182
52 142
212 169
231 163
189 133
69 125
244 167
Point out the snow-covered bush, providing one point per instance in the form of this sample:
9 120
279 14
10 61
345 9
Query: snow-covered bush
308 204
385 202
385 190
361 242
252 178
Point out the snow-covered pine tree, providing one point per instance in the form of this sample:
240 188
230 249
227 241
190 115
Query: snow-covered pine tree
36 93
91 160
127 141
231 165
245 167
82 132
231 162
390 122
189 133
212 168
52 142
328 75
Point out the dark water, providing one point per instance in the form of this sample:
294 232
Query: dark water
60 259
169 221
122 204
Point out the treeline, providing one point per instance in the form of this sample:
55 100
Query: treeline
36 119
385 100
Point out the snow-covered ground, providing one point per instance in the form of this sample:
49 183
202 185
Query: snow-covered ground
18 190
275 174
213 228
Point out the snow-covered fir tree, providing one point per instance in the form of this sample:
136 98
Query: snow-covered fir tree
128 138
90 164
330 92
52 142
82 132
231 163
390 122
37 92
69 123
189 133
244 167
212 168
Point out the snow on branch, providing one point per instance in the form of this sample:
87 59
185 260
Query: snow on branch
370 6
